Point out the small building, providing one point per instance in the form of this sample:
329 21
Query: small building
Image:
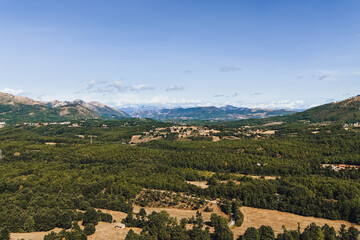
120 226
2 124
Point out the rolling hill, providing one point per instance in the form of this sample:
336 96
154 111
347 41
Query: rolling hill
346 111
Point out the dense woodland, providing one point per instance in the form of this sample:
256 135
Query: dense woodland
42 186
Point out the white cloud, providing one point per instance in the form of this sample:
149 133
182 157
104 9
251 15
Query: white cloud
229 69
105 87
330 75
141 87
287 104
91 84
125 100
169 100
227 96
174 88
118 85
12 91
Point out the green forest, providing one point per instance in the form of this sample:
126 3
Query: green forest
43 186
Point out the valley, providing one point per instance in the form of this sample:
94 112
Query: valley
251 174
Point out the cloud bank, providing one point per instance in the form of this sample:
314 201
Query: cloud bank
12 91
229 69
174 88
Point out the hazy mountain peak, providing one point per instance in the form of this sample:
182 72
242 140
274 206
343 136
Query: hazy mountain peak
22 109
207 113
8 99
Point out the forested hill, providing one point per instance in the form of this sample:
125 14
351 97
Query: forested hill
226 113
346 111
15 109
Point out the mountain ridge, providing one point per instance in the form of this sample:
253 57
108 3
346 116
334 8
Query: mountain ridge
345 111
22 109
208 113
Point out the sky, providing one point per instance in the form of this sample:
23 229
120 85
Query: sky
182 53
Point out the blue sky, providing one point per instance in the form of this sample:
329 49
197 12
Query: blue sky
251 53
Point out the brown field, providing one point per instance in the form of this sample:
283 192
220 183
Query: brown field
268 132
266 177
256 177
255 217
180 213
215 138
32 235
198 184
103 230
135 139
108 231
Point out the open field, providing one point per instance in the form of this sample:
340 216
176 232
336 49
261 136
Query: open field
103 230
180 213
255 217
198 184
203 184
108 231
32 235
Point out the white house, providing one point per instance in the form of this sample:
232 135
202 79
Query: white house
120 225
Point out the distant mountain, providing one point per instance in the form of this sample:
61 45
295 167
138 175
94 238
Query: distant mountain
96 107
208 113
346 111
21 109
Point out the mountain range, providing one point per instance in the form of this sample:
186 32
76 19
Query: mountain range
227 113
22 109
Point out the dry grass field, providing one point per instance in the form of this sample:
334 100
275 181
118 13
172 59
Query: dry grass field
103 230
204 185
198 184
253 218
180 213
32 235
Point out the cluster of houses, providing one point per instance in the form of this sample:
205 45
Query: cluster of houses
2 124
